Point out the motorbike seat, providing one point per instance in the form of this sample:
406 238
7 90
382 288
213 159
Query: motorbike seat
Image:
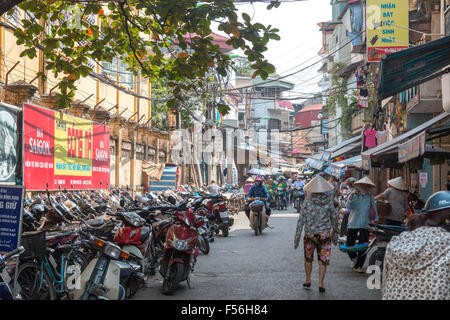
95 223
160 223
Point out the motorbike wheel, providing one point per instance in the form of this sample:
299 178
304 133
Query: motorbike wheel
169 284
29 279
225 230
256 224
376 258
203 245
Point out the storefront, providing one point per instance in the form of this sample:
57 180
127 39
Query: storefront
412 155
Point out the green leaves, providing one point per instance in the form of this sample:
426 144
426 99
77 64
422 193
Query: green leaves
146 33
223 109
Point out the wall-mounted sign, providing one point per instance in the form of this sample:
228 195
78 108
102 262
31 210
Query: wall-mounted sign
412 148
11 206
423 179
64 151
387 27
10 147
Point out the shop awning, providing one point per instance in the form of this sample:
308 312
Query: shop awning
393 144
315 163
353 147
337 169
350 162
344 144
407 68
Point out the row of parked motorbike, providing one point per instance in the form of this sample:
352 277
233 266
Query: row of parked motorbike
105 244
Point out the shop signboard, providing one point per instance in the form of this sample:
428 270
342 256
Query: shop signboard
387 27
412 148
63 151
10 147
11 206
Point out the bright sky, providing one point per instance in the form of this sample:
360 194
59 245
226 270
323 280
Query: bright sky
300 41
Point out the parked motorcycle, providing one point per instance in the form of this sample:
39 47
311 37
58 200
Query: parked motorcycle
180 251
135 237
219 214
107 278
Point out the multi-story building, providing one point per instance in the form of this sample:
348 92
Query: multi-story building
110 95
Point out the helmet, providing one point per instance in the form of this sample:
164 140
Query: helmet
258 178
438 201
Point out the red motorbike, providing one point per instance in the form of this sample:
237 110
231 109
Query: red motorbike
219 216
136 238
180 251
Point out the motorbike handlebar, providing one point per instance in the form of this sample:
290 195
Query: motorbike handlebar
19 251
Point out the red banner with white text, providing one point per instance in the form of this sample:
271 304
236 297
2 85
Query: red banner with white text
63 151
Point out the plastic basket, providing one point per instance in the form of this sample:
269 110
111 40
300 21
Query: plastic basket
34 243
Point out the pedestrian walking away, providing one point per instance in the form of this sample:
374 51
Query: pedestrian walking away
362 212
318 217
417 262
396 194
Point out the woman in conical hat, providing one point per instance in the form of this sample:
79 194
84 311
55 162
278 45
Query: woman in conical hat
360 203
396 194
248 184
319 218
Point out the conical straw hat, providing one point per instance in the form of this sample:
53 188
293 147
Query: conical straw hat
250 179
318 185
365 180
398 183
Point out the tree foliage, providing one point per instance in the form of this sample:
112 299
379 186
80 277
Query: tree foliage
160 39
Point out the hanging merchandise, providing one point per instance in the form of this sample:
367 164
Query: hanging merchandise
361 76
363 98
370 135
381 137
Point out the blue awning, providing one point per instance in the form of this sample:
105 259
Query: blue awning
408 68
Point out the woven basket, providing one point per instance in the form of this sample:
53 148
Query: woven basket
383 209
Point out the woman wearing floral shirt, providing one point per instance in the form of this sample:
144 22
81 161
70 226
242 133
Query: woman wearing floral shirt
319 218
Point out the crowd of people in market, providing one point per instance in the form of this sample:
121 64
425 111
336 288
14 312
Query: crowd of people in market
416 261
339 212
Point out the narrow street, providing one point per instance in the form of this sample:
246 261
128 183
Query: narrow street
245 266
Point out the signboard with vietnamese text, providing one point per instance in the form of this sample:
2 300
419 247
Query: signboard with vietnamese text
11 206
64 151
412 148
387 27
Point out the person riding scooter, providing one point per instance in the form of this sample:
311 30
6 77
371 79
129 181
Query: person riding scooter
281 184
258 190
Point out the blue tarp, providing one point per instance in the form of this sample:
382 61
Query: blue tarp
356 19
168 180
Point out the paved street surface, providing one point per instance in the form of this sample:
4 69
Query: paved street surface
245 266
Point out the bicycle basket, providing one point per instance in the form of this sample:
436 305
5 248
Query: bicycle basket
34 243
